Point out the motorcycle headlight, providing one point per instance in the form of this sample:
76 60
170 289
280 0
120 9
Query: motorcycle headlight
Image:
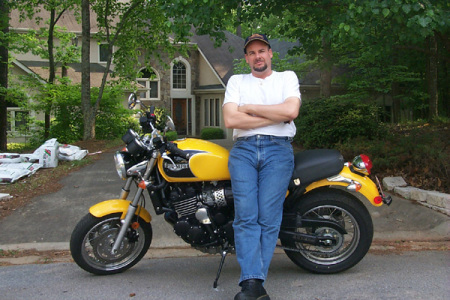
120 165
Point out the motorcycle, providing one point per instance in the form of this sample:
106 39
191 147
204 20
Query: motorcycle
326 227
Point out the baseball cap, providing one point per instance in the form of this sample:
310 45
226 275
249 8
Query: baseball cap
256 37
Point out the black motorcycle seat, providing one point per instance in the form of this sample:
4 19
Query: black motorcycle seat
313 165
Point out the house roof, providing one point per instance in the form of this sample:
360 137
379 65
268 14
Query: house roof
221 58
41 68
67 20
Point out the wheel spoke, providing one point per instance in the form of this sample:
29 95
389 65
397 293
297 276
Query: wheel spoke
343 246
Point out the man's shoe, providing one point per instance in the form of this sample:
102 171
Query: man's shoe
252 289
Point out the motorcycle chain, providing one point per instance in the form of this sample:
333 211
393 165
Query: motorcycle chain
304 250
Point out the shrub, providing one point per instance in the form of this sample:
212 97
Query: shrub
112 119
212 134
171 135
325 122
419 154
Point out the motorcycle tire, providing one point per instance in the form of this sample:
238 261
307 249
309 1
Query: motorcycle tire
92 240
347 249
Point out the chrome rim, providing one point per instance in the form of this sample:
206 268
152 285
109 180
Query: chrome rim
344 246
98 242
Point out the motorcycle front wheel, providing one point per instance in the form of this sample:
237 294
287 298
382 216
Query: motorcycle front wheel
92 240
347 249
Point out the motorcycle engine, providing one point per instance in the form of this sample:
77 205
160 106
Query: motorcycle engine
202 212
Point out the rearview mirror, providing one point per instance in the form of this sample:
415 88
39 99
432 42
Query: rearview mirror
132 101
169 124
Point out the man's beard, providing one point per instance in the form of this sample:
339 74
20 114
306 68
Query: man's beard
261 69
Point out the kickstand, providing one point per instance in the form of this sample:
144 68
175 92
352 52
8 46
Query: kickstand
224 254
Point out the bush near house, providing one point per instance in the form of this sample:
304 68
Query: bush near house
212 134
171 135
322 123
419 151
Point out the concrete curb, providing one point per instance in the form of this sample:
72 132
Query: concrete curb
431 199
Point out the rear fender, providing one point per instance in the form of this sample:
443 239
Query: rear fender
117 206
368 188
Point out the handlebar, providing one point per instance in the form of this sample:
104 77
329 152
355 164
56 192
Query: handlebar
173 148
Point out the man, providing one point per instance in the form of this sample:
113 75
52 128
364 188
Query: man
260 107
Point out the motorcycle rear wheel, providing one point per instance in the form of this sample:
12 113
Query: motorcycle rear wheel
348 249
92 240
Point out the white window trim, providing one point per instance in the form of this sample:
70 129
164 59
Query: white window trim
157 79
11 112
206 115
181 93
102 61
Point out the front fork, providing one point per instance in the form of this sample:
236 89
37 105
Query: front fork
134 204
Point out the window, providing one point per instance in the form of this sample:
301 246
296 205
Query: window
179 75
18 120
211 109
103 52
149 81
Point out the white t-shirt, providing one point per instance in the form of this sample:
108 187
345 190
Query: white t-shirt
275 89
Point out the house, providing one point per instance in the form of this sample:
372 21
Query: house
192 89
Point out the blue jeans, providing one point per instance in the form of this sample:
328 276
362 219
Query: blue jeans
260 168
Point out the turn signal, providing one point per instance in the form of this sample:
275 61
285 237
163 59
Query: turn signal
135 225
142 185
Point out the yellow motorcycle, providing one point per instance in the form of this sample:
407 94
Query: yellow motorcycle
326 227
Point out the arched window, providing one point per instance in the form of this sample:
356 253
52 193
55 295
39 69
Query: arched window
149 81
179 75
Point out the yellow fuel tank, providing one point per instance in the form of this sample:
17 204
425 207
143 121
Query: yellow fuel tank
208 162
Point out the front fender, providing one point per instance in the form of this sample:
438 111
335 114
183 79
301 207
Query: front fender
368 188
117 206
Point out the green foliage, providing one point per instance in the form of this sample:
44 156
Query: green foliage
112 119
289 62
20 147
68 117
212 133
161 114
171 135
385 43
417 152
325 122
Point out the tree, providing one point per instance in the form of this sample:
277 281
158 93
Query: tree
381 40
310 23
410 30
123 27
4 25
138 28
89 125
55 9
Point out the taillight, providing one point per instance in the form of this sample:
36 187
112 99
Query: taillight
362 163
378 200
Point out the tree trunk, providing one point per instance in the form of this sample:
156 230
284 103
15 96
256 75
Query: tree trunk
395 88
88 112
4 25
52 72
325 69
432 78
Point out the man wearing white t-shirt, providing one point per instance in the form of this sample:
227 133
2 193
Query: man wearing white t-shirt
260 107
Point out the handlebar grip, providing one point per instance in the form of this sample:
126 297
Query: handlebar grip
173 148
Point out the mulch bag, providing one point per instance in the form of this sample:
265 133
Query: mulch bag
70 153
48 154
11 172
10 158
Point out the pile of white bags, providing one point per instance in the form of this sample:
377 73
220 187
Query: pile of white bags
14 166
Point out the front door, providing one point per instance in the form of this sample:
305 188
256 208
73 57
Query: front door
180 115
